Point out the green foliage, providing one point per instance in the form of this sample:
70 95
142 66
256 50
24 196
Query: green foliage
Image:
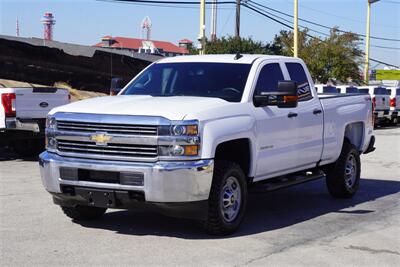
232 45
336 57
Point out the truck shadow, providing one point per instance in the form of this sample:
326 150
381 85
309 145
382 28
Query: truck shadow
8 154
266 212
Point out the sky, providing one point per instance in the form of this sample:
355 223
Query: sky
86 21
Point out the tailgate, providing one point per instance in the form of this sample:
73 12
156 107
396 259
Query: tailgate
35 103
382 102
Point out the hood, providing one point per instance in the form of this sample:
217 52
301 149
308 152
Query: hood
172 108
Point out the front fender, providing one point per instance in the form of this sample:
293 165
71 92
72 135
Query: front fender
221 130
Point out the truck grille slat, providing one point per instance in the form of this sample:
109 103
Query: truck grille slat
127 129
115 146
112 150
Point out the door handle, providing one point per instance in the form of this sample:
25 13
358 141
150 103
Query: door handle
292 114
317 111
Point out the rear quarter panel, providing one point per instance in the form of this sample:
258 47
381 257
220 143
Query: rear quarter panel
339 112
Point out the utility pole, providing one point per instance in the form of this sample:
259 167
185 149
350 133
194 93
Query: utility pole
214 21
202 34
237 26
366 62
295 30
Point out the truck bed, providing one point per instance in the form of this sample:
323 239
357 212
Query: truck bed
339 111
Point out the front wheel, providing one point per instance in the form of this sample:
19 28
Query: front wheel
228 199
343 177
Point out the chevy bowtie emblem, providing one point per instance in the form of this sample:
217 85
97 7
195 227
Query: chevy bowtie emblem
100 139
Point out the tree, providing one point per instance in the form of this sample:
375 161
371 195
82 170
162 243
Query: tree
233 45
336 57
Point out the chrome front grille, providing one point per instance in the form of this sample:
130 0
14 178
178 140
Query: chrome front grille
110 128
109 150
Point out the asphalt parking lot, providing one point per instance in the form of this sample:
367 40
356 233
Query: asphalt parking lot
301 225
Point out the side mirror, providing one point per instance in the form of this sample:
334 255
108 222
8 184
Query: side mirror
117 84
285 97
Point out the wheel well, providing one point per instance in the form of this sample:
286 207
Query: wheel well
237 151
354 134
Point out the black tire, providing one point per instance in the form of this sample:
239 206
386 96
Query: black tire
28 147
217 222
394 121
83 213
340 184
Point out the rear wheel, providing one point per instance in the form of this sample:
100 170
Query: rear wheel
83 213
343 177
228 199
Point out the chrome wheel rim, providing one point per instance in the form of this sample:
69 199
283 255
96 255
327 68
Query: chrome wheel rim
350 171
231 197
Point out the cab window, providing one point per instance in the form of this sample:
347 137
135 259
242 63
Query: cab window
297 74
268 78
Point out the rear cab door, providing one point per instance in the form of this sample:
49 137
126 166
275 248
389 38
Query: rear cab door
309 124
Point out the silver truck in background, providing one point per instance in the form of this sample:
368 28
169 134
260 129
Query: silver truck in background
23 112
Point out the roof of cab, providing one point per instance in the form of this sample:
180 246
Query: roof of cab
227 58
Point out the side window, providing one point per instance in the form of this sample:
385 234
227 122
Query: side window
297 74
269 77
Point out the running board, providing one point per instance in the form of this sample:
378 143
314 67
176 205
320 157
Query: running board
285 181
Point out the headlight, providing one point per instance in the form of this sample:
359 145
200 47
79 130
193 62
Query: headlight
51 143
179 150
51 123
184 130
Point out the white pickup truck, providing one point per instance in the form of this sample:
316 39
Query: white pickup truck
23 112
190 135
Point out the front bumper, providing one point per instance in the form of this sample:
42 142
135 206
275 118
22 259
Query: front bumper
178 181
23 125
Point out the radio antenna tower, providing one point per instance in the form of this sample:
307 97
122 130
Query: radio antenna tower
146 27
17 28
48 22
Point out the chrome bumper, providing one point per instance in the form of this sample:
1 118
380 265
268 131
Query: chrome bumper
178 181
15 124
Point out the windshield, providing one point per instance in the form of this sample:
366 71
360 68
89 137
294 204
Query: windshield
220 80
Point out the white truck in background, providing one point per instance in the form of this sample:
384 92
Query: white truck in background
190 136
23 112
394 93
381 101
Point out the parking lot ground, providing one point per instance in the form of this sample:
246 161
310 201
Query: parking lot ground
299 226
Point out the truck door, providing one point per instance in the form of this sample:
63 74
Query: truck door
276 129
309 127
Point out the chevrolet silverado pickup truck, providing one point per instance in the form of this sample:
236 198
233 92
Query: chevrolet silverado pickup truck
23 112
191 136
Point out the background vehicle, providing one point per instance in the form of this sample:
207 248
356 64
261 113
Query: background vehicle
394 93
347 89
381 101
190 134
23 113
326 89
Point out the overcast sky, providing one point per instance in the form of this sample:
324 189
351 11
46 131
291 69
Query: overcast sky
86 21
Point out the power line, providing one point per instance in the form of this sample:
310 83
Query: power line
345 18
321 25
316 31
309 35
